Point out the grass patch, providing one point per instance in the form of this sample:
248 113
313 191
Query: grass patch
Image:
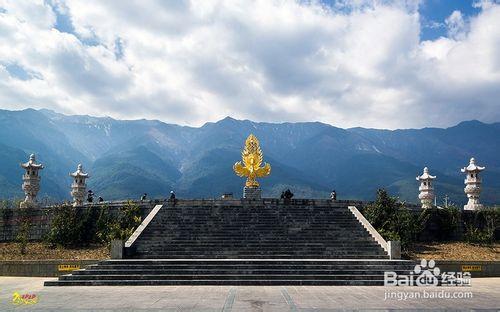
455 251
40 251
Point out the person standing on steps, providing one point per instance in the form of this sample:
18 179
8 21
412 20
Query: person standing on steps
90 196
287 196
333 195
172 198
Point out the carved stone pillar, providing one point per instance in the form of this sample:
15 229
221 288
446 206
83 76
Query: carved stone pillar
79 186
31 181
472 185
426 189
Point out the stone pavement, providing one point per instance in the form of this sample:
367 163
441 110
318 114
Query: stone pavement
485 295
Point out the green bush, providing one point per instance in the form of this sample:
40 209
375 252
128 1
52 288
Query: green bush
393 221
66 226
441 224
103 224
73 227
128 220
23 233
482 226
476 235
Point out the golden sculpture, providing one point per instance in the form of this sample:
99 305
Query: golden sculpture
252 159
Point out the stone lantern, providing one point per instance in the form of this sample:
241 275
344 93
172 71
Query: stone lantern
472 185
426 189
79 186
31 181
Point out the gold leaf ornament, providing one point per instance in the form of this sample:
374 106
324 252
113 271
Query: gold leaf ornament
252 159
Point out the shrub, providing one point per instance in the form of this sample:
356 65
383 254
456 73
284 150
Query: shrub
23 233
129 219
393 221
103 225
65 229
441 224
481 227
73 227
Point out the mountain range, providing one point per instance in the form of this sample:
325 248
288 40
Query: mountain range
126 158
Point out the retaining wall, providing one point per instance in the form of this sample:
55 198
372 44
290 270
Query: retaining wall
41 268
41 218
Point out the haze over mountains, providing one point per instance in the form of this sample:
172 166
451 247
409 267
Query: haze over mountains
126 158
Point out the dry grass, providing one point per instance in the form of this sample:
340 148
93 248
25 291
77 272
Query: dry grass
455 251
39 251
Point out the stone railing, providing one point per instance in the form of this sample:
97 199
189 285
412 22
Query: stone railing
367 225
142 226
393 248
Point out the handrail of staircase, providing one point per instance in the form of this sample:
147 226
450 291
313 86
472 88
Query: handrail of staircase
367 225
142 226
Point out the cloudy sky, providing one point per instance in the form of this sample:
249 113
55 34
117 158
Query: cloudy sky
381 64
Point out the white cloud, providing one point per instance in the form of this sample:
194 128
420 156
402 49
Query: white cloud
190 62
456 25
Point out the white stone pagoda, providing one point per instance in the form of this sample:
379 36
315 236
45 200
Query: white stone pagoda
79 186
472 185
31 181
426 189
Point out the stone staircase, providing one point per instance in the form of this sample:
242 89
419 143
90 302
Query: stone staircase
243 242
265 230
143 272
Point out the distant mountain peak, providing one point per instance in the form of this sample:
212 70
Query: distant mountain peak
129 157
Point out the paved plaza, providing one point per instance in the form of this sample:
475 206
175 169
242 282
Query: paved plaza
485 295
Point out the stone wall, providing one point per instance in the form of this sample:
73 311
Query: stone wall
41 268
41 217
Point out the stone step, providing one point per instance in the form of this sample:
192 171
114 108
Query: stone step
266 262
224 277
175 255
223 244
262 249
252 266
198 271
234 272
214 282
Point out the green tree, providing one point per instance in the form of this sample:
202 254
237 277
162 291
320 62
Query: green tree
393 221
129 219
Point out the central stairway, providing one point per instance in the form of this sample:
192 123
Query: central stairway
243 242
257 230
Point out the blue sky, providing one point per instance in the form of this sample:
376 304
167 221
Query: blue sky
370 63
435 12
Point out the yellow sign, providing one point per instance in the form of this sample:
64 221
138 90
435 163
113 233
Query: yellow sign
68 267
17 298
471 268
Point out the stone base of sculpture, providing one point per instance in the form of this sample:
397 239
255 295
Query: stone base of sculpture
252 192
473 204
28 204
